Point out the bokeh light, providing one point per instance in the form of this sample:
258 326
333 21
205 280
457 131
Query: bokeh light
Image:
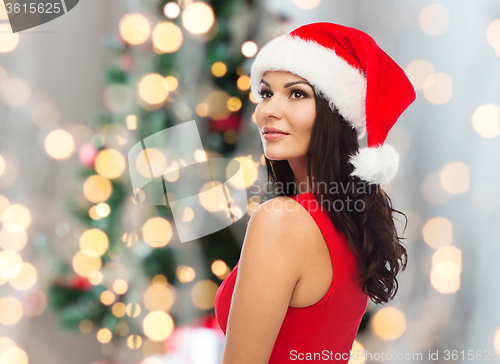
167 37
133 310
134 341
234 103
171 10
434 19
496 340
26 278
198 18
11 311
188 214
59 144
217 104
159 297
157 232
486 120
151 159
11 264
438 88
252 98
158 325
444 278
448 260
6 342
16 218
210 199
12 240
94 242
203 294
14 355
249 168
438 232
110 163
95 277
120 286
84 264
454 178
134 28
107 297
219 69
243 83
118 309
131 122
185 273
8 40
104 335
151 89
97 189
306 4
202 109
493 35
102 209
17 92
171 83
86 326
122 329
388 323
418 71
220 269
249 49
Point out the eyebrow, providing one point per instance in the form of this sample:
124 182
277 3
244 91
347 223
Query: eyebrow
286 84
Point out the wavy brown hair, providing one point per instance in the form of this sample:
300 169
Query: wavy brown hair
370 231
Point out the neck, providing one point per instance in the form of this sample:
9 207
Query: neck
299 168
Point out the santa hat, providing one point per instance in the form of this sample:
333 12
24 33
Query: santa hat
358 78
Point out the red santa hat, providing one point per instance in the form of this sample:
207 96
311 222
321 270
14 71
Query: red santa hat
358 78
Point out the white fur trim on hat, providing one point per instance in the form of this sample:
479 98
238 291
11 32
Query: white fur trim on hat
376 165
343 85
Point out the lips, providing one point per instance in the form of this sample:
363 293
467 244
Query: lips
270 133
272 130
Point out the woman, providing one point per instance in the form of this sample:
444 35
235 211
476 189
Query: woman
313 256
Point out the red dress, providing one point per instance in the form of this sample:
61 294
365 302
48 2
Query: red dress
324 331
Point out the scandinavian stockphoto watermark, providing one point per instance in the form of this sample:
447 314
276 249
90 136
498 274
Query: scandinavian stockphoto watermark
341 192
26 14
171 168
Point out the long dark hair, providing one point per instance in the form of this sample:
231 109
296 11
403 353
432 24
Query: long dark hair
370 230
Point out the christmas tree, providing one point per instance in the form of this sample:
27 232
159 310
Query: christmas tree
172 63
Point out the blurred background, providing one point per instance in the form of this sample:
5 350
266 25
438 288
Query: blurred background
89 274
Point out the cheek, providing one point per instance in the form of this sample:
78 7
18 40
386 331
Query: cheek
303 120
258 116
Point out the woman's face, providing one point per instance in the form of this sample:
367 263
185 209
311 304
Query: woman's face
289 106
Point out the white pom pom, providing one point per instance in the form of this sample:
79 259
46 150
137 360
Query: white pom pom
376 165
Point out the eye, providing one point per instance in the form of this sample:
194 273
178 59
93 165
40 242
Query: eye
263 93
298 92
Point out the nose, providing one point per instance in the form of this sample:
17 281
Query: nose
272 109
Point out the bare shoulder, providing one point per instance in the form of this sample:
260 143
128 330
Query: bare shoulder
283 213
270 267
281 224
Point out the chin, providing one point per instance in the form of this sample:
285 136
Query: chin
277 155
